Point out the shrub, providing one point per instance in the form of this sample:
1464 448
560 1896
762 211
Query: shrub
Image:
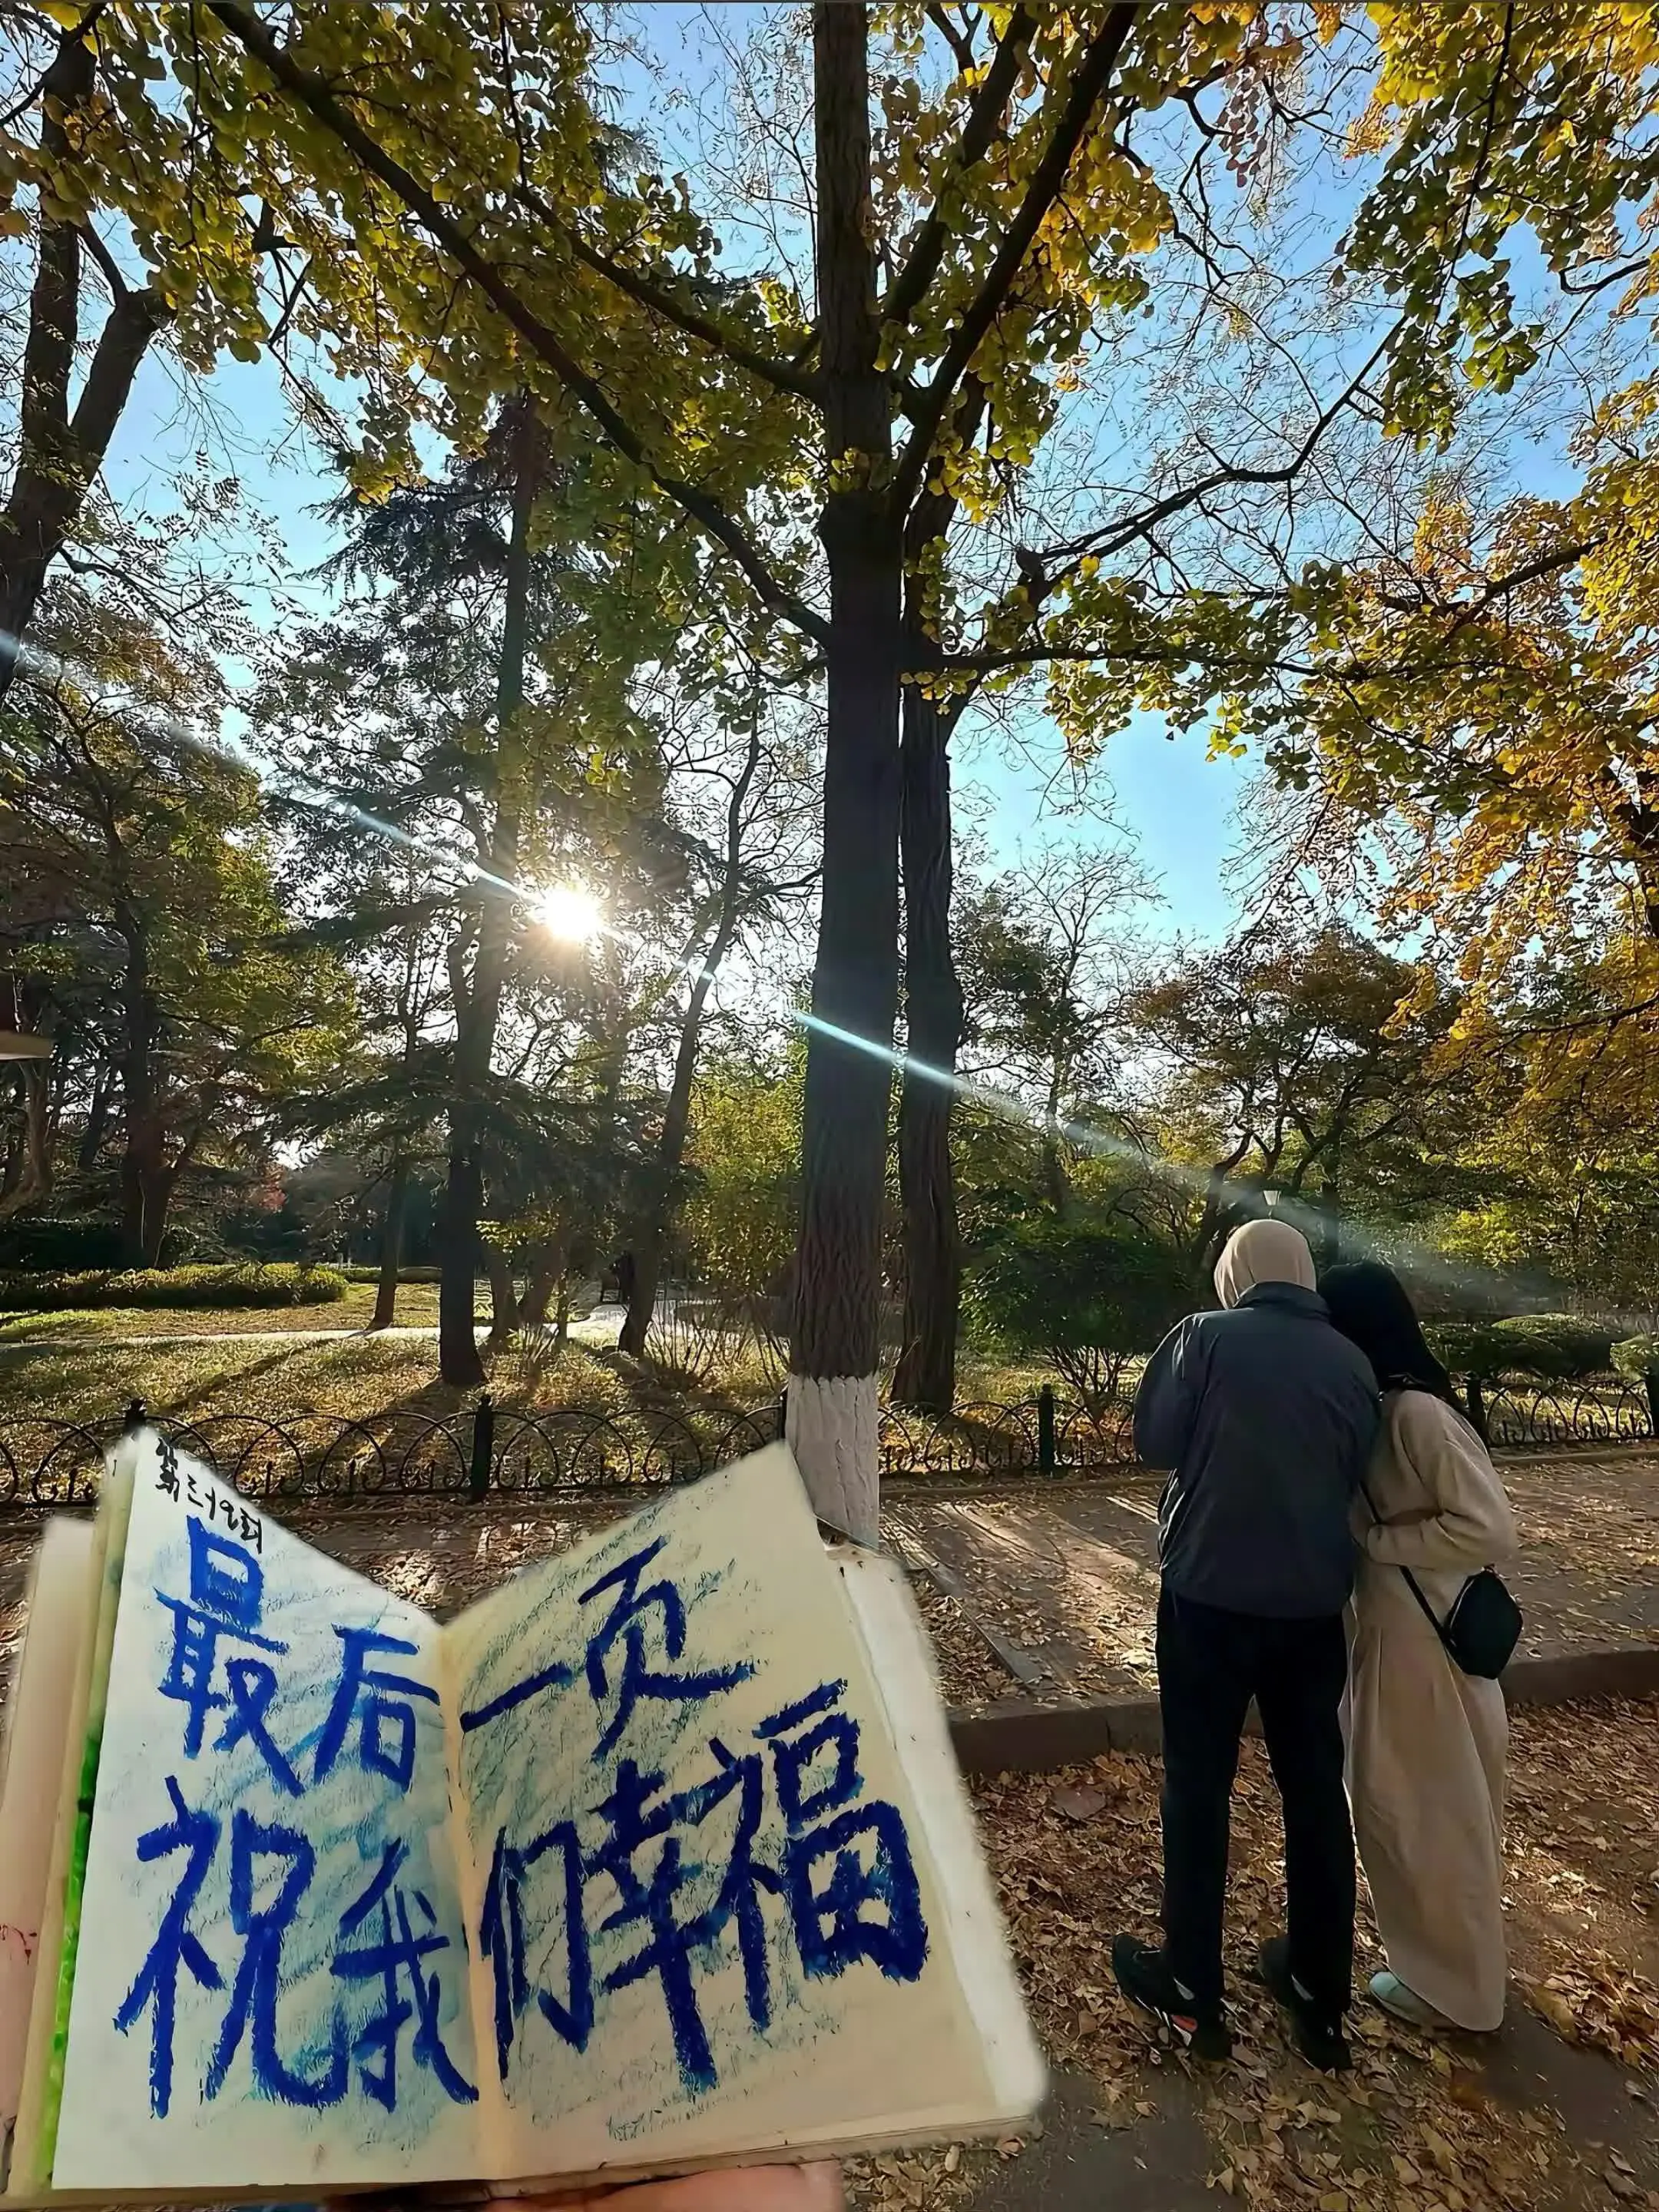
31 1241
284 1283
358 1272
1466 1348
1543 1347
1636 1357
1088 1296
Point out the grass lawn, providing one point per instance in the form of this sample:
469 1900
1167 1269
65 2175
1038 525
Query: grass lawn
418 1308
363 1378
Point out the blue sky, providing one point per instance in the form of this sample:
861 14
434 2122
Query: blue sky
1177 805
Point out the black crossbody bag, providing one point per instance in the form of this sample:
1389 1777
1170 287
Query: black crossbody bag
1484 1627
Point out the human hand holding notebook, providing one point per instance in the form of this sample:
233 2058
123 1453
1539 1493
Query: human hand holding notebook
656 1857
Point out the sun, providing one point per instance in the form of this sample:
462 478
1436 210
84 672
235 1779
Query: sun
571 912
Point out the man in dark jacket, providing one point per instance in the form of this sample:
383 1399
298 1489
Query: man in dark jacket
1265 1417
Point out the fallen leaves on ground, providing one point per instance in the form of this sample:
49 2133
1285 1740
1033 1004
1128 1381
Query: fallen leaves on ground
1413 2128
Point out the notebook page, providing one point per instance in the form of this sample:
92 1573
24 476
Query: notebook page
709 1920
272 1987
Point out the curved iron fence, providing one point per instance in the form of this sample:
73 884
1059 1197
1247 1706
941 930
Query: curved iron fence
1520 1415
326 1458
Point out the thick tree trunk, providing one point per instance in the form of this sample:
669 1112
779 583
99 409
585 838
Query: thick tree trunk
833 1413
547 1272
37 1135
59 455
925 1374
391 1245
27 1177
458 1260
478 1002
677 1116
158 1199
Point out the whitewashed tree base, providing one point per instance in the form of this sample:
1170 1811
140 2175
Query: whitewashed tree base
833 1427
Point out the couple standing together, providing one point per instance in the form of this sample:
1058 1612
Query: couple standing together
1307 1534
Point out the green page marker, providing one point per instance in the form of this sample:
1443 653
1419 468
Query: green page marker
119 1493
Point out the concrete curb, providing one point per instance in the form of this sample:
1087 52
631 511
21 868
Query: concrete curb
1020 1737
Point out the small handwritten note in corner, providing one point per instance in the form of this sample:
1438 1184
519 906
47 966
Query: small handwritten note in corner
622 1870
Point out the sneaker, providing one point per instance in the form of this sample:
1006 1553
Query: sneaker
1143 1975
1402 2001
1317 2035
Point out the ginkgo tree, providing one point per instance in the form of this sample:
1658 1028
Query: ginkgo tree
1476 699
475 207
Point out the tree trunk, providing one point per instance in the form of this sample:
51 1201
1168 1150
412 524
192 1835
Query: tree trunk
37 1136
159 1184
503 1298
59 456
1056 1184
833 1413
11 1168
925 1374
478 1002
547 1271
458 1261
391 1245
91 1137
677 1116
144 1148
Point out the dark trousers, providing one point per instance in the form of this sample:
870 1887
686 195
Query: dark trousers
1210 1664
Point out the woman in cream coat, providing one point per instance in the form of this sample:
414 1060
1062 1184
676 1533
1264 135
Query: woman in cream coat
1427 1742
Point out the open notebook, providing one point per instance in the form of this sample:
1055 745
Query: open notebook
656 1857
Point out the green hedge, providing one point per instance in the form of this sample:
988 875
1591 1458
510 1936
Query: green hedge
33 1241
1543 1347
283 1284
356 1273
1636 1357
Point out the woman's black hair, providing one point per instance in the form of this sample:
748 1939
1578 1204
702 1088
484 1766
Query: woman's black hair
1368 1304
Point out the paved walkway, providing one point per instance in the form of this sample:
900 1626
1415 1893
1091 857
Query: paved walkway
1059 1581
1040 1591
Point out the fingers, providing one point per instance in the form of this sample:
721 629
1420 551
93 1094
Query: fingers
814 2187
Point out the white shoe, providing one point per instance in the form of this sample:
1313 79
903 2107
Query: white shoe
1394 1996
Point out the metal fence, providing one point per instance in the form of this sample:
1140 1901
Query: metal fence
493 1450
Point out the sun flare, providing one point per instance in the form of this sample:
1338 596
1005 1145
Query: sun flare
570 912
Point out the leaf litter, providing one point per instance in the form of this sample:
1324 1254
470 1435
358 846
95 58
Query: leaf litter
1413 2129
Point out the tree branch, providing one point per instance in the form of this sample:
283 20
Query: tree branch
319 101
119 287
782 375
979 132
1089 83
1113 537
